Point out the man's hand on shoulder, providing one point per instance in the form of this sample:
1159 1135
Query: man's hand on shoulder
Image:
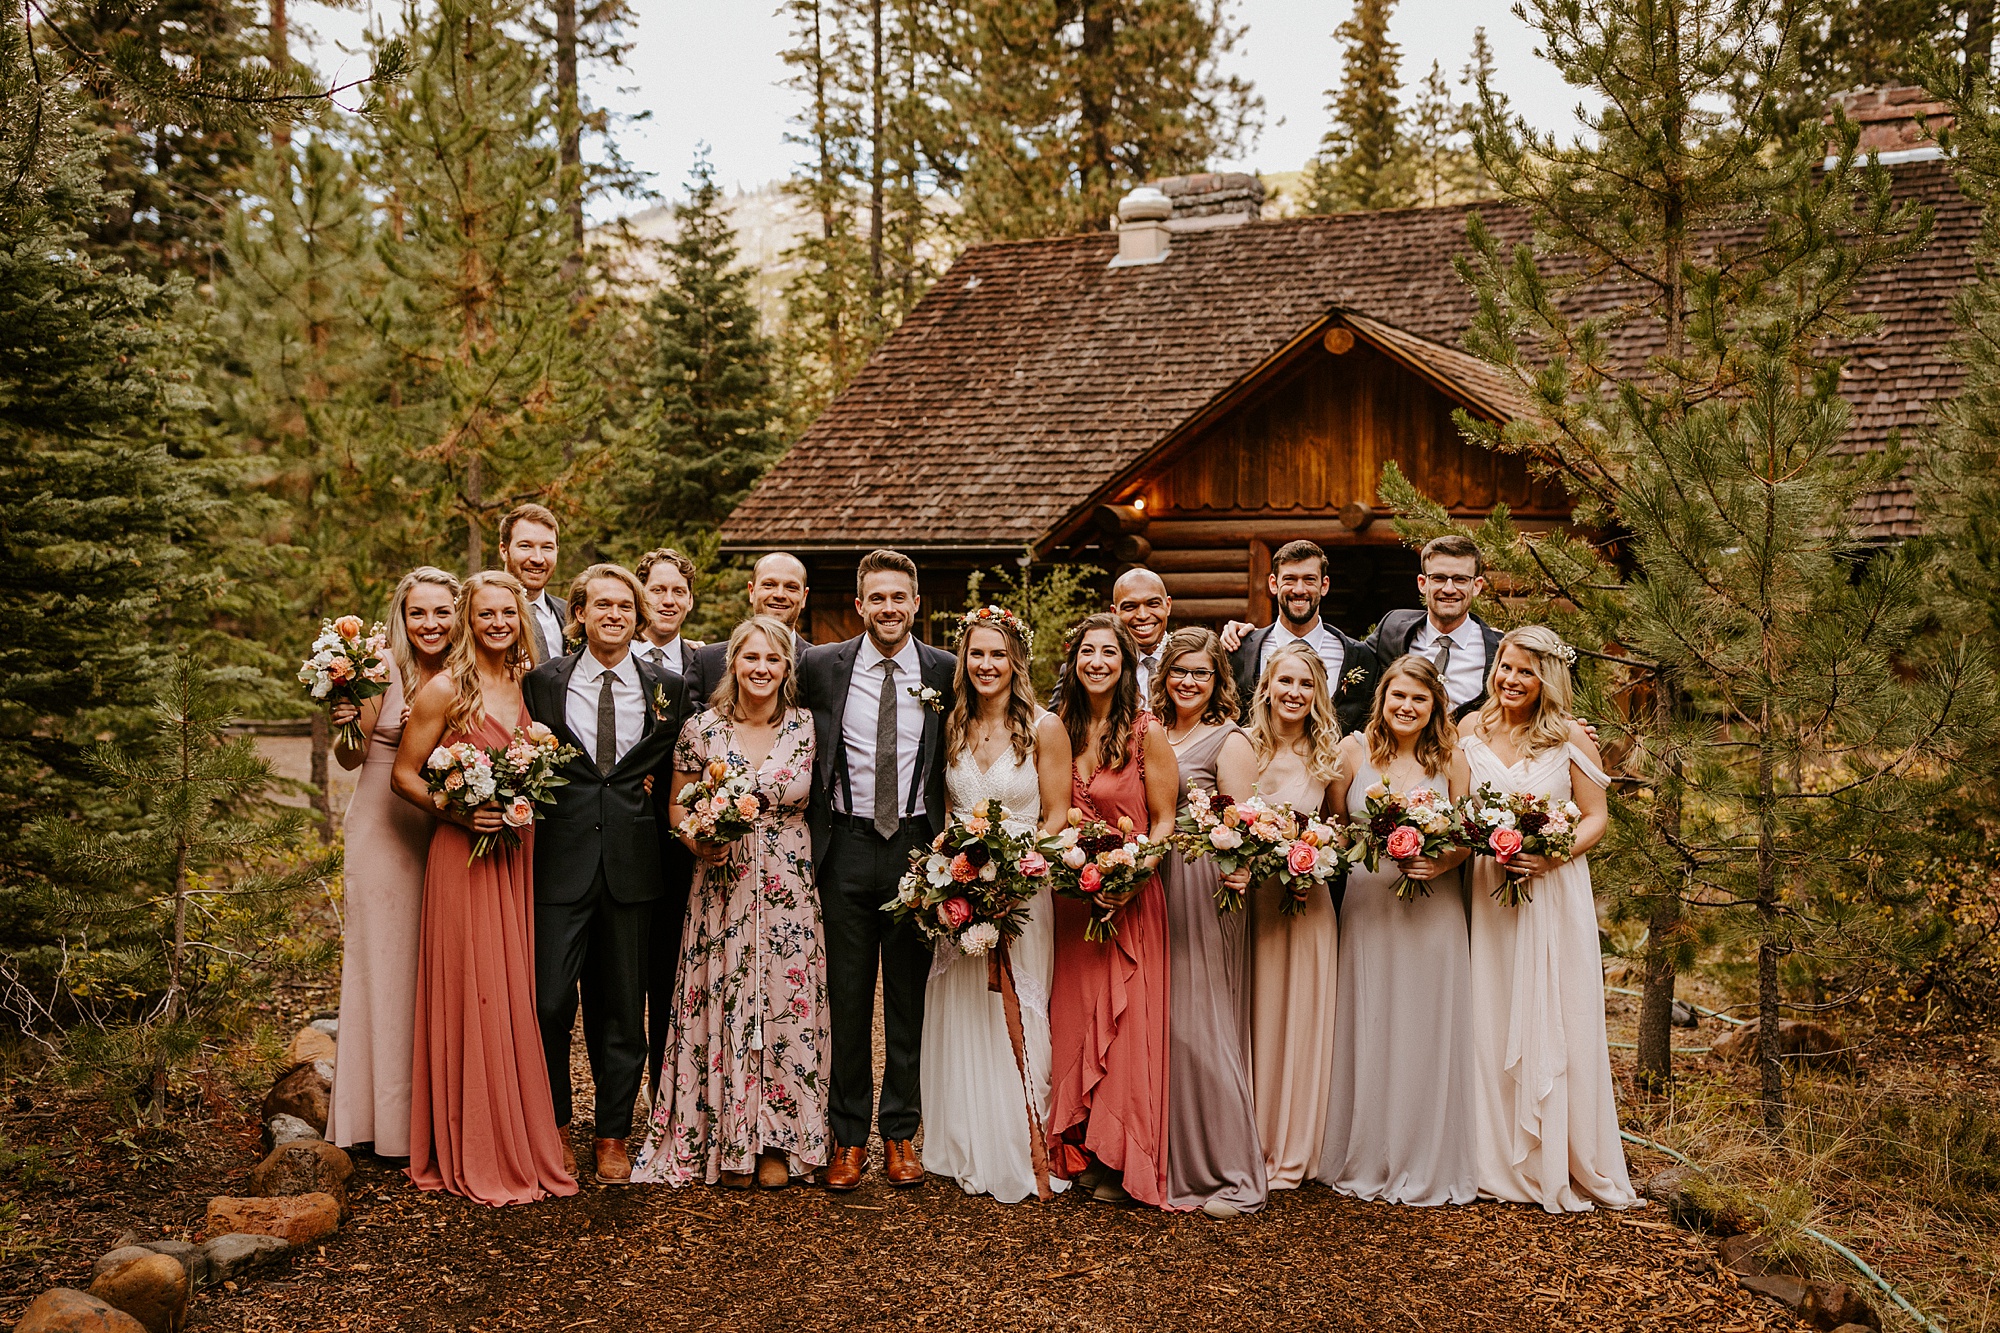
1234 633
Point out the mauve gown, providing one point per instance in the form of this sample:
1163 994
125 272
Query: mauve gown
1108 1013
1399 1127
1212 1148
388 841
481 1122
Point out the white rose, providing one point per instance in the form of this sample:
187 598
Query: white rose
440 758
1074 857
989 872
1225 838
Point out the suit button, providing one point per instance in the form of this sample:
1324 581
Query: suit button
598 827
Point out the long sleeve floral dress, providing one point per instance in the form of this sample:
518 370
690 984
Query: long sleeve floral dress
748 1052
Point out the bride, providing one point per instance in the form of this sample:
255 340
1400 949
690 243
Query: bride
998 744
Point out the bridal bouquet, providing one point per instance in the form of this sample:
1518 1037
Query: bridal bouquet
1094 861
1503 825
1422 822
724 804
346 668
973 887
1250 834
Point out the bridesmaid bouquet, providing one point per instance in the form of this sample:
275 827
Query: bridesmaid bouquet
1503 825
1309 861
724 804
1095 860
973 887
1249 834
346 668
1422 822
525 775
460 777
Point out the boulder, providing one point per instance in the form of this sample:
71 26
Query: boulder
281 1129
117 1258
239 1253
304 1166
190 1257
1834 1305
1692 1198
152 1288
330 1026
65 1310
1751 1254
1786 1291
308 1045
300 1220
302 1091
1808 1043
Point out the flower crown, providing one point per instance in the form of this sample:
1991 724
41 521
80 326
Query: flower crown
996 617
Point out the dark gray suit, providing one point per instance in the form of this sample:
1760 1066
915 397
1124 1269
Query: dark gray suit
1392 639
1352 693
857 870
598 873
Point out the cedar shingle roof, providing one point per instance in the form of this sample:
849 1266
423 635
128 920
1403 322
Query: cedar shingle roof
1031 372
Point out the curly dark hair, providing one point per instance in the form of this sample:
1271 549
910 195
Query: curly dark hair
1073 706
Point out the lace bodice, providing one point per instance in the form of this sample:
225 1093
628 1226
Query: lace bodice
1546 774
1012 781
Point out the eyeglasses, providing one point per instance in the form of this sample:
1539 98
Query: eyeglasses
1452 580
1199 675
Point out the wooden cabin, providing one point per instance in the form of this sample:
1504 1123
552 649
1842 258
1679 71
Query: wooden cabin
1198 387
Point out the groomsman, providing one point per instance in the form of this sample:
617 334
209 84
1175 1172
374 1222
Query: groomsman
878 704
1459 644
597 853
778 590
1139 598
528 550
668 579
1298 584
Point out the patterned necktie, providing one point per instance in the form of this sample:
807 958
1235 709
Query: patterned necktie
1442 661
541 635
607 726
887 816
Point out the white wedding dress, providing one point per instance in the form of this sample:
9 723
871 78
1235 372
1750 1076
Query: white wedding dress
975 1115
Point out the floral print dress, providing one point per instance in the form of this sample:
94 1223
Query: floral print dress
747 1055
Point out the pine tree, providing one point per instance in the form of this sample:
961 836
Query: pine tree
709 380
1364 159
1789 718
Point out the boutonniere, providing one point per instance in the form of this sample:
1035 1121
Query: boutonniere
663 707
1354 678
928 697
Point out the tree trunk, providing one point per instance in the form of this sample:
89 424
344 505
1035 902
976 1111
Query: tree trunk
1656 1004
475 545
1096 75
322 797
877 90
570 113
1768 948
281 59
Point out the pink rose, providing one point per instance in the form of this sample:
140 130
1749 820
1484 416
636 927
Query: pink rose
348 627
1034 865
1404 843
953 913
1505 842
962 869
520 812
1090 879
339 669
1301 858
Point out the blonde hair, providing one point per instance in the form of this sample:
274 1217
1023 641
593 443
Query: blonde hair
1222 705
461 659
1549 725
1437 742
400 648
1322 724
779 635
1021 706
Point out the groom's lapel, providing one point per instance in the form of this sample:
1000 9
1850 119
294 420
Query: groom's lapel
559 701
841 666
935 672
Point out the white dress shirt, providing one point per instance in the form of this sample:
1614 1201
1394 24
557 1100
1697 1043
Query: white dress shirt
549 616
857 727
1322 641
1465 674
666 656
580 704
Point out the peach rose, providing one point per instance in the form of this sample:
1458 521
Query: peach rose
520 812
1302 856
1404 843
348 627
1505 842
1034 865
962 869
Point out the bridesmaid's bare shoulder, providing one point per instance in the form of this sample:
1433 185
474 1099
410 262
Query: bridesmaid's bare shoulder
1584 745
435 696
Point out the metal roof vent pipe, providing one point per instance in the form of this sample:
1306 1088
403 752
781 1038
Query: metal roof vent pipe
1142 227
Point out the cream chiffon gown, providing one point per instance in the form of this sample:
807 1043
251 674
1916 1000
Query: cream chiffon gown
1546 1118
975 1112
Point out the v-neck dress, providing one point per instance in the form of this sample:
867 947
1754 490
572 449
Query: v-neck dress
747 1056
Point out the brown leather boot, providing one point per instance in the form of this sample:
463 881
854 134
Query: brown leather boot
773 1172
844 1172
613 1166
902 1166
569 1153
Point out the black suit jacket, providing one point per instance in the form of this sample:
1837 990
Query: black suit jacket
824 678
598 820
707 664
1392 638
1353 693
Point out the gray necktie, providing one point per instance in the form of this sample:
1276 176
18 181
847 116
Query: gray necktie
542 653
659 656
607 726
1442 661
1148 664
887 814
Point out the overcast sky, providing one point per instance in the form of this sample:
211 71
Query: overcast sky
708 72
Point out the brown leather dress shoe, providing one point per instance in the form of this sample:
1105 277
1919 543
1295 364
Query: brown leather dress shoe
844 1172
569 1154
773 1171
613 1166
902 1166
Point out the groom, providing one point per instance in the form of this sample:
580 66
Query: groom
597 853
878 705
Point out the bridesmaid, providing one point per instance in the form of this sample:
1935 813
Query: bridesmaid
1108 1006
481 1123
1214 1161
387 843
1545 1114
743 1087
1293 959
1399 1127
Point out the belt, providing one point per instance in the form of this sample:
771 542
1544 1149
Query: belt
857 823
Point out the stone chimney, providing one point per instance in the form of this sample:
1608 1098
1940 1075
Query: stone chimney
1212 199
1142 227
1888 120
